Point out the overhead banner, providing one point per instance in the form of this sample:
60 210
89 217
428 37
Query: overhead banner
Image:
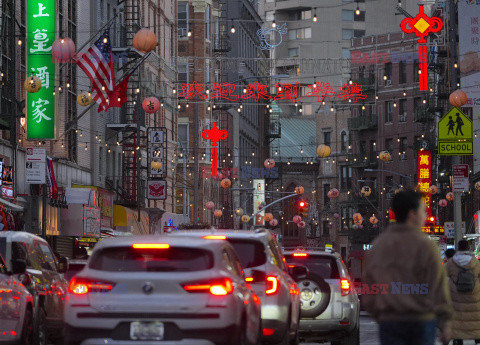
40 37
258 200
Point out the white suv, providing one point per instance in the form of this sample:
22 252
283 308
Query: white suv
330 306
159 290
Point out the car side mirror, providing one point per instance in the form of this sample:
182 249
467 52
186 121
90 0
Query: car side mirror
19 266
299 272
258 276
62 265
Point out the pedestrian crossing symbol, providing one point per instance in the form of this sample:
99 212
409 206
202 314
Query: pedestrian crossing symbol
455 134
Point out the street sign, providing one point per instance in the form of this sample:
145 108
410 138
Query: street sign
156 137
157 190
157 151
460 178
35 172
36 155
455 134
450 229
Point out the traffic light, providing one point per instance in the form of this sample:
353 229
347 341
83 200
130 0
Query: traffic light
302 207
431 222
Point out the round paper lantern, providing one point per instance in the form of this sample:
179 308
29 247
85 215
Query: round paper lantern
443 203
151 105
218 213
336 215
450 196
357 218
323 151
373 220
366 191
458 98
156 165
269 163
63 49
297 219
32 84
239 211
477 185
144 40
301 224
333 193
299 190
433 189
384 156
226 183
84 98
245 218
273 222
210 205
268 217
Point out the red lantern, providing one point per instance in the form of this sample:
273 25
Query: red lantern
301 224
210 205
269 163
226 183
433 189
357 218
299 190
151 105
268 217
144 40
218 213
450 196
297 219
63 49
443 203
458 98
373 220
333 193
273 222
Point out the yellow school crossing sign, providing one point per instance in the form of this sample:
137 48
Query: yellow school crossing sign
455 134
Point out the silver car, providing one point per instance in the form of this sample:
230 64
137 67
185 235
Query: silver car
268 274
162 290
330 306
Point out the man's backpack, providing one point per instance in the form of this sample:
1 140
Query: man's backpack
465 280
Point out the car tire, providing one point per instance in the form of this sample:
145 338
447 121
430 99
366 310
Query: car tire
353 338
314 296
41 328
27 329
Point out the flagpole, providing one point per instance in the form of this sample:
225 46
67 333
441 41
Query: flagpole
70 123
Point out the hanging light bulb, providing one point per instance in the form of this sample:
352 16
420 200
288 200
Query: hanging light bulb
274 24
400 3
357 11
301 149
315 15
174 90
394 104
86 147
331 108
189 33
404 93
232 29
363 107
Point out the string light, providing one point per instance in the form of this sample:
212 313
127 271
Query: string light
315 15
189 34
357 11
274 24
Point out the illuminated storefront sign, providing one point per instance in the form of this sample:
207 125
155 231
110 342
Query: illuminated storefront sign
424 173
258 200
40 37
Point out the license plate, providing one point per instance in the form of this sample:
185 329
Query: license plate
140 330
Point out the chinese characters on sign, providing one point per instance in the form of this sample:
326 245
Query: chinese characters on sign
422 25
424 166
40 37
259 92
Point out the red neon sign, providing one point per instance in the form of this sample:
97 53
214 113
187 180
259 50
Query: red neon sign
424 166
422 25
214 135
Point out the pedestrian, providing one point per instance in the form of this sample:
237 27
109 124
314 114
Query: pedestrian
464 272
401 259
449 253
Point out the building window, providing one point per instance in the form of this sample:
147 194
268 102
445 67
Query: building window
403 148
269 16
182 19
183 73
293 52
388 73
402 111
326 189
299 34
306 14
344 138
347 15
358 33
183 136
347 34
402 72
389 145
360 17
327 138
325 228
345 178
207 22
346 54
388 112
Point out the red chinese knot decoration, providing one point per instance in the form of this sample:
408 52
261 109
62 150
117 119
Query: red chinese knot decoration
214 135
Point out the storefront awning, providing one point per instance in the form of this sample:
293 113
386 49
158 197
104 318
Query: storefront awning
359 254
11 205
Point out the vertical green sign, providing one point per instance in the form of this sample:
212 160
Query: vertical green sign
40 37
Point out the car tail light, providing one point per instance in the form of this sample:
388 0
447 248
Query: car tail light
249 279
215 237
272 285
220 287
82 286
151 246
345 286
268 332
297 255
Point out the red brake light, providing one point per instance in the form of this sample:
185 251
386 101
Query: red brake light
151 246
82 286
300 254
268 331
345 286
215 237
221 287
249 279
272 285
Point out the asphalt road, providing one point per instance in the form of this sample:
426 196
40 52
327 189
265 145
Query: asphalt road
369 332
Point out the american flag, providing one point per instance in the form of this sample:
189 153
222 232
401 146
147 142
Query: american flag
97 63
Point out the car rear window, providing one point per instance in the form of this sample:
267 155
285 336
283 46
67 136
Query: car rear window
324 266
251 253
72 270
173 259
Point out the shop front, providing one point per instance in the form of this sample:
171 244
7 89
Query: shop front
130 221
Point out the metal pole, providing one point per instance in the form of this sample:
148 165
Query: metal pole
452 36
44 210
195 164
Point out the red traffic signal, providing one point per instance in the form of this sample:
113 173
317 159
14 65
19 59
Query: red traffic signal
431 219
302 204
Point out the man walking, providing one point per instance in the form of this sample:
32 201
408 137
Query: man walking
404 258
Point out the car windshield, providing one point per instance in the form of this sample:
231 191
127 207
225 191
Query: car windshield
319 265
73 269
251 253
173 259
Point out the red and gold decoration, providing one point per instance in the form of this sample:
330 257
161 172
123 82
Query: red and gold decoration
63 49
84 98
268 217
443 203
226 183
384 156
269 163
299 190
458 98
424 173
214 135
297 219
156 165
366 191
239 212
323 151
245 218
151 105
144 40
301 224
210 205
218 213
422 25
32 84
333 193
450 196
357 218
433 189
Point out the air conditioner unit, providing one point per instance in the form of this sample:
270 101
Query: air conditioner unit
388 82
402 118
403 156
